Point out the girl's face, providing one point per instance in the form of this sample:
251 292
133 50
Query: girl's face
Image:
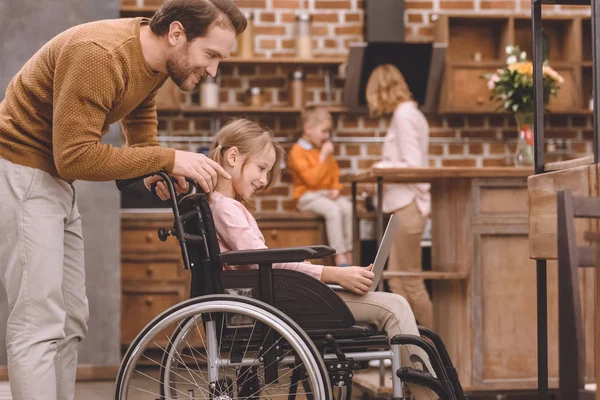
247 179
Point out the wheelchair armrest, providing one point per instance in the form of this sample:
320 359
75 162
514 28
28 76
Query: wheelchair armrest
322 251
262 256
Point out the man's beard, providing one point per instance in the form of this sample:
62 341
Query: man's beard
179 69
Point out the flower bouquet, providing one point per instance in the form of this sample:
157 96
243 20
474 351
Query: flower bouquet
512 87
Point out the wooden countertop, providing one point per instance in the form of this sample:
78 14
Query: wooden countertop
407 175
160 214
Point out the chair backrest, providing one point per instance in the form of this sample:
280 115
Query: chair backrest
303 298
570 319
204 265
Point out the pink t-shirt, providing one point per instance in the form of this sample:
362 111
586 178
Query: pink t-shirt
237 230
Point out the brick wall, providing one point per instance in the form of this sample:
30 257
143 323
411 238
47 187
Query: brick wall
456 140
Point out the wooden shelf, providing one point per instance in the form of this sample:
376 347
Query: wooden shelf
140 9
477 64
464 92
568 2
240 110
318 60
430 275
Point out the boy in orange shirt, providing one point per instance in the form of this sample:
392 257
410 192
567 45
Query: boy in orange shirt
316 177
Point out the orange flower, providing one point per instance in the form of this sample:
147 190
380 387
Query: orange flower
523 68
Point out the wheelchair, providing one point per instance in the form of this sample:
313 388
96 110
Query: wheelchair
260 333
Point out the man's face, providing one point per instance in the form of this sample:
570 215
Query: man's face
187 62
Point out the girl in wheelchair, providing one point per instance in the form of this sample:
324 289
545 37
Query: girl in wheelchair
253 159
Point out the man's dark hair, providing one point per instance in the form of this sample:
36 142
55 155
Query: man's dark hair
198 17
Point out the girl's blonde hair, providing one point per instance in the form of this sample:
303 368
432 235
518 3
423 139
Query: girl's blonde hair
386 88
250 139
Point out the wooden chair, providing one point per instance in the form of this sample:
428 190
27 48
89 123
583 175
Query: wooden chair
571 340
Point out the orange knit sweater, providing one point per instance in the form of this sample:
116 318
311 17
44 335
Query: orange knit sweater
64 98
309 173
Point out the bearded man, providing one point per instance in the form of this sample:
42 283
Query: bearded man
56 109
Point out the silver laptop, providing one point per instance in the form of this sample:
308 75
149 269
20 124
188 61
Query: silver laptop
382 254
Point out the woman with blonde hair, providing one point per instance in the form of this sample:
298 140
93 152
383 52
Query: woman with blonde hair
406 145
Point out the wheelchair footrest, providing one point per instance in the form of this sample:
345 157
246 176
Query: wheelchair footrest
425 379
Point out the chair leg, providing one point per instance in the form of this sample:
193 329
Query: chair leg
397 386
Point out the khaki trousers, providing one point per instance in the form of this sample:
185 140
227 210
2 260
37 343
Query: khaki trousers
391 313
338 217
405 255
42 270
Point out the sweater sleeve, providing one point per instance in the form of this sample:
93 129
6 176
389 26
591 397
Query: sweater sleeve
237 234
84 92
141 125
311 174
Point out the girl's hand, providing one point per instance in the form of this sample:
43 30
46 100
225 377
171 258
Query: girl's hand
355 279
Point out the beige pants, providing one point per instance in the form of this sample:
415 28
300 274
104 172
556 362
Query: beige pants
406 256
338 217
391 313
42 270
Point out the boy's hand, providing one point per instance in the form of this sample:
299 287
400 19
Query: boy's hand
356 279
326 150
334 194
162 191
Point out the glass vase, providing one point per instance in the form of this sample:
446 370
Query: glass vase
524 152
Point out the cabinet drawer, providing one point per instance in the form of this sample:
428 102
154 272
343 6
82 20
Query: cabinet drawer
281 234
291 237
139 232
161 266
138 307
467 90
146 240
500 201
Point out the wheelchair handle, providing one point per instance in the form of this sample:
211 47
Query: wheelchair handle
123 183
177 218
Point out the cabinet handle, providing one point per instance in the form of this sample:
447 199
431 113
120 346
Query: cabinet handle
274 234
149 237
148 301
479 101
150 271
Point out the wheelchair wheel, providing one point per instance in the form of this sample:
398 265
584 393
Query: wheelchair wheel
222 347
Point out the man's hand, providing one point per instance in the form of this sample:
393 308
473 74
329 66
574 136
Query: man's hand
326 150
334 194
355 279
162 191
199 168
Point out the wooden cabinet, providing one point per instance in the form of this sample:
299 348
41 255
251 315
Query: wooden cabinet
489 320
152 274
476 46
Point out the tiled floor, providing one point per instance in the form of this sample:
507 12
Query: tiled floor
83 391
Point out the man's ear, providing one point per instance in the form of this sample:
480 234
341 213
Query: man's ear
176 33
231 156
